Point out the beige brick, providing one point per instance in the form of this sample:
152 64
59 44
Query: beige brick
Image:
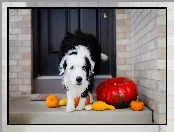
122 16
14 31
26 68
161 20
12 49
26 81
162 97
162 64
120 11
121 73
24 62
12 24
12 11
24 87
12 75
15 56
121 48
24 37
12 37
13 88
15 43
26 30
24 49
123 41
123 67
161 42
120 61
161 75
15 18
12 62
26 56
120 22
26 18
24 75
24 24
162 119
121 29
160 86
161 53
120 35
26 43
161 31
15 81
15 68
24 11
123 54
127 22
161 11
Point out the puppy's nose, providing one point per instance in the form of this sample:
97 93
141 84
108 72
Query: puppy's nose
79 79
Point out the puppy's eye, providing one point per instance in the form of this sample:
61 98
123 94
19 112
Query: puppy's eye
84 68
71 67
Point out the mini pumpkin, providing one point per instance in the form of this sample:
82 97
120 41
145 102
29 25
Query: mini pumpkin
137 105
52 101
77 99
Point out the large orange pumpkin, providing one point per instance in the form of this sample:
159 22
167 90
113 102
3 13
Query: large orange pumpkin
52 101
77 99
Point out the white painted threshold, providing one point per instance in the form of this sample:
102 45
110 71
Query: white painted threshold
60 77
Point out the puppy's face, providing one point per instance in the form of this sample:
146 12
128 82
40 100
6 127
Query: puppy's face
77 69
76 66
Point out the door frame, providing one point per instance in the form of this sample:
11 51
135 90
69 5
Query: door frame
35 25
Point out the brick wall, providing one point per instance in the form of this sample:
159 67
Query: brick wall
141 55
20 52
123 42
148 53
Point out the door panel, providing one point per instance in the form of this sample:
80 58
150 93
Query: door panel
52 27
88 21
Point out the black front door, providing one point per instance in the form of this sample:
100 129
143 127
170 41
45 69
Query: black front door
53 24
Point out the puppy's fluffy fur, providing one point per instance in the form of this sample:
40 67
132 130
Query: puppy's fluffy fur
80 56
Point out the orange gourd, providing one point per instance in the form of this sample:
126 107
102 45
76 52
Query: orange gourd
52 101
100 105
77 99
137 105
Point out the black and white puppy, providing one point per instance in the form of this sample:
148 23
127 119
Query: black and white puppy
80 56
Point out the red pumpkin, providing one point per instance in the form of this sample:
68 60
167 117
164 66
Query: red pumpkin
118 92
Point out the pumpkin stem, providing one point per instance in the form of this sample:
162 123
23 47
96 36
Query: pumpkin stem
137 99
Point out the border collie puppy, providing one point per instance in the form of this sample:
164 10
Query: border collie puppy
80 56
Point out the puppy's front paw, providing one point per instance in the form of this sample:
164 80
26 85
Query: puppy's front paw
70 108
80 107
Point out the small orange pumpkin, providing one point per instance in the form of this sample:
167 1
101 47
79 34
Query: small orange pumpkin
137 105
77 99
52 101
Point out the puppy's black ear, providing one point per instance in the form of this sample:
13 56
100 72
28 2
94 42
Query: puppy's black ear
62 65
90 64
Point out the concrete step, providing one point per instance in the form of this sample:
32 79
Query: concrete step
24 111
